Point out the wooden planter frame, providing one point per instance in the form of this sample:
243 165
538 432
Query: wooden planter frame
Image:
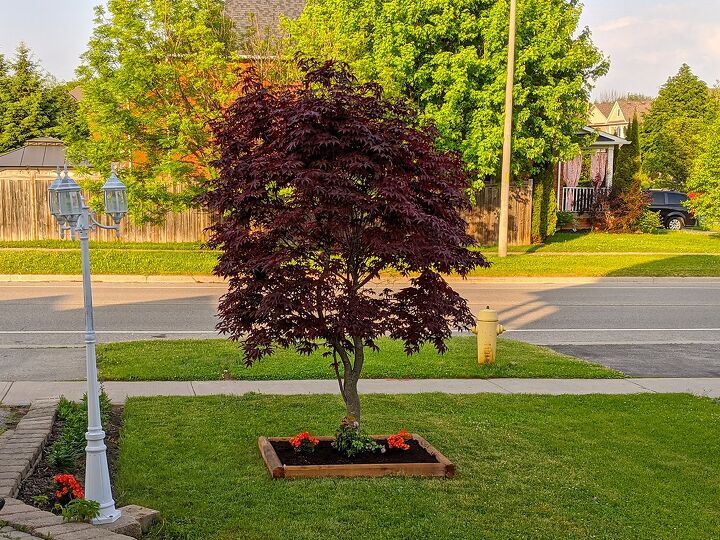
444 468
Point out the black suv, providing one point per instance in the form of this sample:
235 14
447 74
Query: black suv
669 204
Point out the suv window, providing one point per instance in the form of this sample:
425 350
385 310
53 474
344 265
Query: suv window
658 197
676 198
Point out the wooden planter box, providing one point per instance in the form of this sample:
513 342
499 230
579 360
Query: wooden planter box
443 468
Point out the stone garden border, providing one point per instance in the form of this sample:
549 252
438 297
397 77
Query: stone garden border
20 451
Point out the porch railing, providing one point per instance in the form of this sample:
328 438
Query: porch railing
580 199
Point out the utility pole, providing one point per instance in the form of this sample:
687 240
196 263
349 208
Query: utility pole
507 138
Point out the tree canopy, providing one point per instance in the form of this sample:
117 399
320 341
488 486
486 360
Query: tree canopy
154 75
321 186
32 103
704 179
449 60
674 129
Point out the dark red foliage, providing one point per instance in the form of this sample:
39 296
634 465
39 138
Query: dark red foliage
321 186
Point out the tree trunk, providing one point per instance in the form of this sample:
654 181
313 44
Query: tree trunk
351 375
352 399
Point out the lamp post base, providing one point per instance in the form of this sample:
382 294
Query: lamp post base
111 517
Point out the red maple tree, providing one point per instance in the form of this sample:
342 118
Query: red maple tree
321 187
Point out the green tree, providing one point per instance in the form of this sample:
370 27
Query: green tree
705 177
448 58
155 75
32 103
544 205
675 127
628 160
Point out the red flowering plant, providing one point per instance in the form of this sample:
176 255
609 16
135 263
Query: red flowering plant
67 488
304 442
398 441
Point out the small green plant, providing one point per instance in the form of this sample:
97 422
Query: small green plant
351 441
565 219
70 446
79 510
41 501
648 222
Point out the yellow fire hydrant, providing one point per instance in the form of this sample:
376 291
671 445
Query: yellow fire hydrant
488 329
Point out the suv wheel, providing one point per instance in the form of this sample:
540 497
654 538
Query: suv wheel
675 223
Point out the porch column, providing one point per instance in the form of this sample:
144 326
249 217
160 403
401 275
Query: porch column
610 166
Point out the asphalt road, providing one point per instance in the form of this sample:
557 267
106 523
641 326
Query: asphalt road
662 328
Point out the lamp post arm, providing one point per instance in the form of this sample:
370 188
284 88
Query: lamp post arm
96 223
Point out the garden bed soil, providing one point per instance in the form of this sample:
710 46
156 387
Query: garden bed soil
41 482
422 459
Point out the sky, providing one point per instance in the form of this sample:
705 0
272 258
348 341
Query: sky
645 40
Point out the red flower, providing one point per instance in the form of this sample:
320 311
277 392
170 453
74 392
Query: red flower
398 441
304 442
68 487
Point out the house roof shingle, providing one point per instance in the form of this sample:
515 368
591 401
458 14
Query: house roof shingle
605 107
630 108
266 12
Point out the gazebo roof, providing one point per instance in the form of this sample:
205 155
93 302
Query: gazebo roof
38 153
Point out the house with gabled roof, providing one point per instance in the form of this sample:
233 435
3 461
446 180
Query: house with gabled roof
615 117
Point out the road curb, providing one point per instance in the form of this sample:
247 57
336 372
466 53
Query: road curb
548 280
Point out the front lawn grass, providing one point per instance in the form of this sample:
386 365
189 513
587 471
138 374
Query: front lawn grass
536 467
581 265
108 261
129 261
660 242
200 360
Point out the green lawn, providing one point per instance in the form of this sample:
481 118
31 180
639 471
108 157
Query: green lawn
603 266
194 360
108 261
119 244
661 242
535 467
57 257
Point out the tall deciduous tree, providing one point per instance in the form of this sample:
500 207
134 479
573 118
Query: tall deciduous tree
321 186
705 177
155 74
675 127
32 103
449 60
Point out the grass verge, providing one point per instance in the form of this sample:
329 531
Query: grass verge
193 360
540 467
201 263
661 242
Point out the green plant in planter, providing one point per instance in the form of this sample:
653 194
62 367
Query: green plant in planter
79 510
350 440
41 501
70 446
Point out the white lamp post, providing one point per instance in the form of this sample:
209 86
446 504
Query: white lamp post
69 208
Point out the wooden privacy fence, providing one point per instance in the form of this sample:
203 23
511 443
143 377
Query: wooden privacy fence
484 218
24 215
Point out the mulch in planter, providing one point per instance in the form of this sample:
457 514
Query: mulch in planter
325 454
41 482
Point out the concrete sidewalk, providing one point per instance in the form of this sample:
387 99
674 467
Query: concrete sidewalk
25 392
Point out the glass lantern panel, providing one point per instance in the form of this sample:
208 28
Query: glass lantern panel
54 203
70 203
116 201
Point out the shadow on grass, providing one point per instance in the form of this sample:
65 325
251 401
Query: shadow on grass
673 266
